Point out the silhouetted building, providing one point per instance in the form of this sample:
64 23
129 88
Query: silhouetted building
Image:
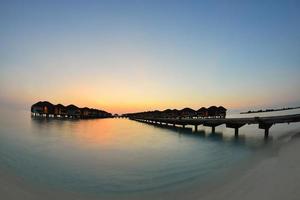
85 112
45 108
168 113
221 112
73 111
60 110
212 111
187 113
202 112
42 108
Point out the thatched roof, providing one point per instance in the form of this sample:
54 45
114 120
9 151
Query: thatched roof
72 107
203 109
213 108
175 111
60 106
42 104
85 108
221 108
167 111
187 110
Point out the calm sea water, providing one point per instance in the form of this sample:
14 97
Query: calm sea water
120 156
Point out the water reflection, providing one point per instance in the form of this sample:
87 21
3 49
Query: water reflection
118 155
217 136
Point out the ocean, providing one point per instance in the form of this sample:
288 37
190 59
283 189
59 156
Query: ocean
119 158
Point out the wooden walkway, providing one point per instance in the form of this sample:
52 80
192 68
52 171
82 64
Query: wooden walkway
263 122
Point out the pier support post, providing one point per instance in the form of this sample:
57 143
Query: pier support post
266 133
213 125
213 129
236 127
236 132
266 127
196 128
183 126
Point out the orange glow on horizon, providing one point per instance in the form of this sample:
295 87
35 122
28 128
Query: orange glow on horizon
120 99
139 106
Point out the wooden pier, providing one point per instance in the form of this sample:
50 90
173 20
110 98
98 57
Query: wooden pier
236 123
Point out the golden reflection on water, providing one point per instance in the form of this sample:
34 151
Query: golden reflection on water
103 133
117 154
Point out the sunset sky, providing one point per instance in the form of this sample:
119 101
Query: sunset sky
126 56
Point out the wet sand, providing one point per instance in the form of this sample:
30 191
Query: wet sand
275 176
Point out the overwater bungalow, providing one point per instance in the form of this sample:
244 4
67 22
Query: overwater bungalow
93 113
212 111
43 108
37 108
104 114
60 110
168 113
73 111
217 112
187 113
202 112
85 112
155 114
46 109
175 113
221 112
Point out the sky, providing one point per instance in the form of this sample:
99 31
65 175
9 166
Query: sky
127 56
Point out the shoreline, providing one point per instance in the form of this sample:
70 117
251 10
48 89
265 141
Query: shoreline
273 173
268 110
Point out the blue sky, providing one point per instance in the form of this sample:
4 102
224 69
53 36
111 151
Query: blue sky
135 55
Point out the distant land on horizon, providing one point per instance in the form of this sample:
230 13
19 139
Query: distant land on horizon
270 110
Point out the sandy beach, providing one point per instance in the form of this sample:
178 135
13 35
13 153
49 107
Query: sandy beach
276 176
